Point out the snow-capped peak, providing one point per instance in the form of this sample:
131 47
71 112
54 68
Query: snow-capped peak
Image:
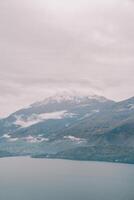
72 96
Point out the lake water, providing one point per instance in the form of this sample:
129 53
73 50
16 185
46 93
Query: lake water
25 178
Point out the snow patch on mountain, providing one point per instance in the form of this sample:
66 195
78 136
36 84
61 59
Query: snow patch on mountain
34 139
6 136
36 118
72 96
74 139
29 138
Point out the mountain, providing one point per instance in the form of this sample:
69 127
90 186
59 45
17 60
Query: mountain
53 114
71 126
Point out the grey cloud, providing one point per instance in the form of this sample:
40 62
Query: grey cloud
83 44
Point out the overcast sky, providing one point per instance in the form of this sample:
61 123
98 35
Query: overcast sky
53 45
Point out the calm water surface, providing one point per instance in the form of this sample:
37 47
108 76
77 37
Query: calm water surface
25 178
